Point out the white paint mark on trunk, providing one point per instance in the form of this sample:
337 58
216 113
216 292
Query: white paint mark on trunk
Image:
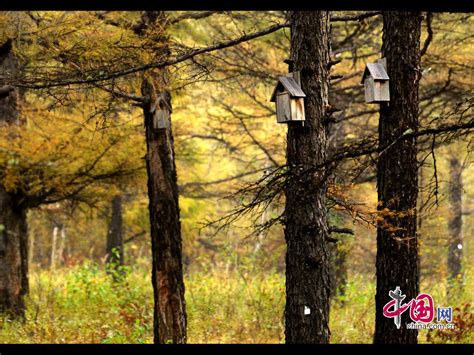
307 310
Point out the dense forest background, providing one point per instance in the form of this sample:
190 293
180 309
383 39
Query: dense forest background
78 156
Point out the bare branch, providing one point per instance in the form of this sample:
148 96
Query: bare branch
260 145
133 237
122 94
429 17
227 144
358 17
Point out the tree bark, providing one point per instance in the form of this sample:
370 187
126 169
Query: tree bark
114 246
306 230
13 256
167 277
397 175
165 226
455 273
13 224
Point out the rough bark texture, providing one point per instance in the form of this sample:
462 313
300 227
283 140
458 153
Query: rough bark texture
167 269
167 278
13 227
114 247
306 230
455 273
397 176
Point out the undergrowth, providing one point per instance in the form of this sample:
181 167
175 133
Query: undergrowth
85 305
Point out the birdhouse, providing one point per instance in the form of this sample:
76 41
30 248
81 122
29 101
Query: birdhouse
375 80
161 111
289 99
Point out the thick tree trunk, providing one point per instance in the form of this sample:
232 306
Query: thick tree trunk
306 230
397 176
114 246
167 277
13 226
167 269
455 273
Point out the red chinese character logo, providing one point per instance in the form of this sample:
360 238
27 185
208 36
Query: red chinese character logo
420 311
421 308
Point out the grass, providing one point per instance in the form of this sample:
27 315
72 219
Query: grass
83 305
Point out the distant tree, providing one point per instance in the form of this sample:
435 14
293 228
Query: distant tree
455 244
397 174
114 245
41 164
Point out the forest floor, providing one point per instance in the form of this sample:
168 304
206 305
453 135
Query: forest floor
82 304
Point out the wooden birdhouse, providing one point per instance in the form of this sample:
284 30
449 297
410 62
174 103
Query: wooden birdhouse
289 99
376 82
161 111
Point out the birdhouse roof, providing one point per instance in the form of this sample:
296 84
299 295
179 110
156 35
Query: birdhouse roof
290 85
376 71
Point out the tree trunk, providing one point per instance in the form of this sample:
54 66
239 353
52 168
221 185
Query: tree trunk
165 226
13 256
420 213
167 276
306 230
58 242
13 224
62 245
455 273
54 243
338 265
397 175
114 246
338 251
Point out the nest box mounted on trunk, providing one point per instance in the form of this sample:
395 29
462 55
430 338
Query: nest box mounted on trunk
161 111
289 99
376 82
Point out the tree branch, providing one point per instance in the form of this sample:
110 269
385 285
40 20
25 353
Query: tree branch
260 145
122 94
133 237
219 181
358 17
156 65
429 17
